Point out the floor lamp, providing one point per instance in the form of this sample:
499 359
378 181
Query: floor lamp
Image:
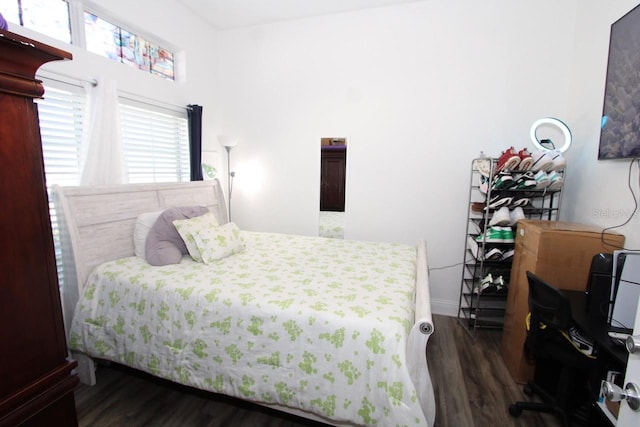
228 144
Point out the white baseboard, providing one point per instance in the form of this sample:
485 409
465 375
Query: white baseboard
444 307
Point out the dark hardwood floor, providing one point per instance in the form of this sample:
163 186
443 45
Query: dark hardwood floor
472 388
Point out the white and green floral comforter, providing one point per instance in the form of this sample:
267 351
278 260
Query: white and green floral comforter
309 323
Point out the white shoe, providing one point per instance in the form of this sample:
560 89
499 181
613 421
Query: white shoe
559 162
500 217
542 180
541 161
516 215
556 181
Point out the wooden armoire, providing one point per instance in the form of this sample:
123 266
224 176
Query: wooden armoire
36 379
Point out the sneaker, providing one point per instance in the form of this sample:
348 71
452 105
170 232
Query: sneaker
500 217
492 235
559 162
484 284
542 180
508 254
520 201
525 160
508 160
555 181
484 184
493 254
499 201
507 234
541 161
526 181
477 207
500 285
516 215
503 181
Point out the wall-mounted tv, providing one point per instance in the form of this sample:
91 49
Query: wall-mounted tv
620 129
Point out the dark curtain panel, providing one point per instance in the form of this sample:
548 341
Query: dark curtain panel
195 140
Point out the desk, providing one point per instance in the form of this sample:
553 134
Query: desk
610 355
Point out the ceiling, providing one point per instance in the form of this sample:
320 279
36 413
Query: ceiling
225 14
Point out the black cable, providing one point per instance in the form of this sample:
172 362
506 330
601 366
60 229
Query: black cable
445 266
635 209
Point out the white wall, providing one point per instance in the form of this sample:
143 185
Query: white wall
418 90
596 191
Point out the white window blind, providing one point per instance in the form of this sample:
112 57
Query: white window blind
60 115
156 144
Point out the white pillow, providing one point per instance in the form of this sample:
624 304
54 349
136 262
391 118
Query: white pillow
219 242
144 222
189 228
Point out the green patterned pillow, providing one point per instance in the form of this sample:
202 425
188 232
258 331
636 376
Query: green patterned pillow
188 228
219 242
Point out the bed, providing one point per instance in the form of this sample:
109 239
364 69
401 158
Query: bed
331 330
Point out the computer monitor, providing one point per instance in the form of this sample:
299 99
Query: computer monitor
625 290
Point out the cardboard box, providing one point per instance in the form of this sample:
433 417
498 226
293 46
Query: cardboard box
558 252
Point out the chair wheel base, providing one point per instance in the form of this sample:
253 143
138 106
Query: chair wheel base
515 410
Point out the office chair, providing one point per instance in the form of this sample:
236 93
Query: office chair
562 371
599 286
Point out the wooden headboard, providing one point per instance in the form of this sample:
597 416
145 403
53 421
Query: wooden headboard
96 223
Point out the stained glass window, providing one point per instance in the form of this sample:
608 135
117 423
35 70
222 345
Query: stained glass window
116 43
102 37
50 17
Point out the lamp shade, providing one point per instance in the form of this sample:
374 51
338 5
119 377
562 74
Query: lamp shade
226 141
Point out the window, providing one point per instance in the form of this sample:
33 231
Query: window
155 139
156 144
50 17
113 42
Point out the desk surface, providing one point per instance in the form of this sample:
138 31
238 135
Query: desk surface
594 327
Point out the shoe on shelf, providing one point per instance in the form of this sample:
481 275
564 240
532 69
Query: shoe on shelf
542 180
526 181
525 160
520 201
555 180
559 162
498 201
491 235
502 181
484 284
477 207
516 215
508 160
500 285
541 161
508 254
493 254
507 234
484 184
500 217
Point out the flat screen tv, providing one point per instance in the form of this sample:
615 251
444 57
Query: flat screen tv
620 128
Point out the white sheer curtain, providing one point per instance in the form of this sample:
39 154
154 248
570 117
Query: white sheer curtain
102 158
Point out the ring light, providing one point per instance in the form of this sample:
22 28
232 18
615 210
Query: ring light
554 122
